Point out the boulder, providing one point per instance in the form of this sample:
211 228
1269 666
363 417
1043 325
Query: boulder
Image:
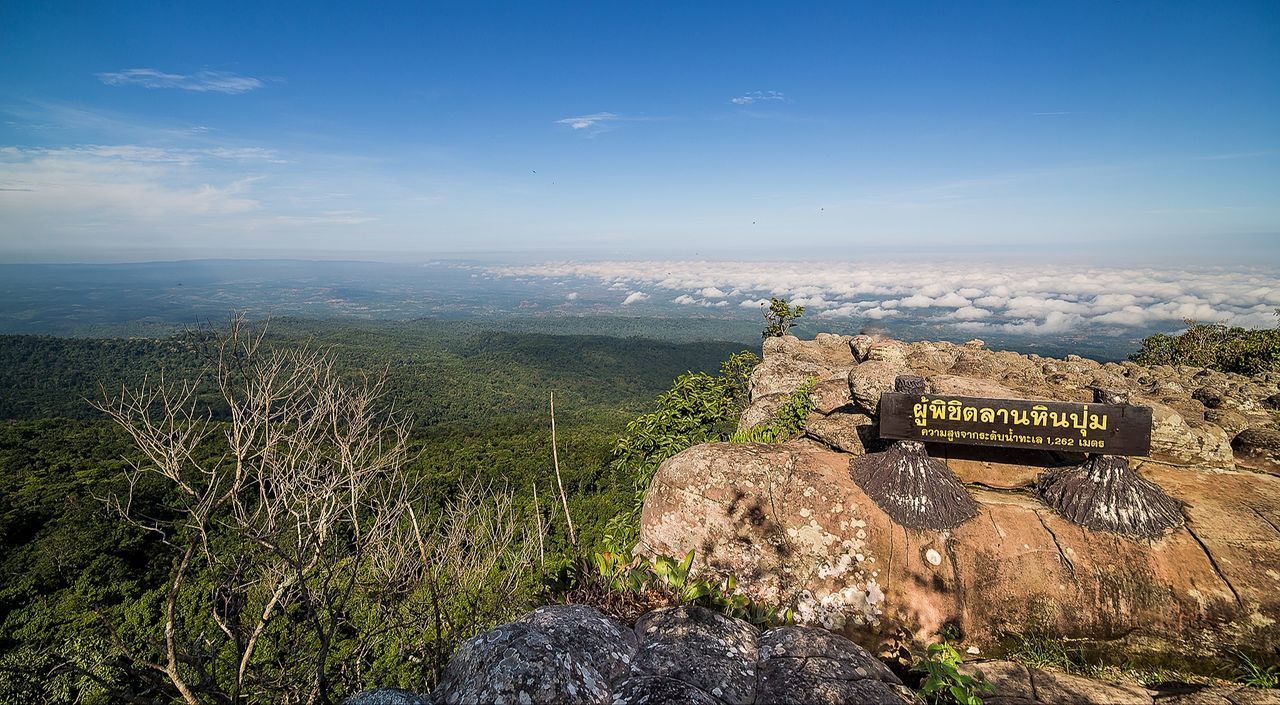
761 410
1258 448
605 642
780 374
844 432
788 520
678 654
1013 682
831 395
520 663
1174 440
1229 420
870 379
702 648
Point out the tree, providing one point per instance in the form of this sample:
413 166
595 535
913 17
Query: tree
299 541
780 317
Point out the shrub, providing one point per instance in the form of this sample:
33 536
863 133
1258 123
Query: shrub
787 421
699 408
780 317
1216 346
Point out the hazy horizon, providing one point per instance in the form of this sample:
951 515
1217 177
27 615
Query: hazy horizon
1084 131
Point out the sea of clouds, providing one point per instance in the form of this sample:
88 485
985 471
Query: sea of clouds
1030 298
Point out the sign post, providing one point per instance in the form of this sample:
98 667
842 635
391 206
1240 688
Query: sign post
1102 493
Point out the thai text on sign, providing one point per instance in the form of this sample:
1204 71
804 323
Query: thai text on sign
1111 429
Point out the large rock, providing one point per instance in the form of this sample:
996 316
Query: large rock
761 410
702 648
682 654
791 524
521 663
1258 448
780 374
1174 440
1015 683
849 433
870 379
605 642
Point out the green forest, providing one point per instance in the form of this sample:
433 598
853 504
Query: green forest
83 595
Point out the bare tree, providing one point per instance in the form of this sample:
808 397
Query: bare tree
293 515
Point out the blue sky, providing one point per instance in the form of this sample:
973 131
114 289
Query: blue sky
159 131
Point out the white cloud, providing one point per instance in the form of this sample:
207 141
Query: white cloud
712 293
634 297
583 122
201 81
951 300
969 313
751 97
916 301
571 296
1031 298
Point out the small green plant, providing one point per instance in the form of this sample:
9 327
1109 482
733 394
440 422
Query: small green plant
787 421
1257 675
780 317
944 682
675 580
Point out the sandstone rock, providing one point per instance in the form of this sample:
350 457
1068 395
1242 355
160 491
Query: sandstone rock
1229 420
826 350
849 433
1014 683
1067 689
870 379
1174 440
762 409
957 386
1272 402
1209 396
1258 448
861 346
686 654
1010 681
831 395
932 358
794 528
837 657
886 350
780 374
517 663
705 649
386 696
804 665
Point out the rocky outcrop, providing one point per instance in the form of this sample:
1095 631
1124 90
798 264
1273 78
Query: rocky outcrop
684 654
790 521
693 656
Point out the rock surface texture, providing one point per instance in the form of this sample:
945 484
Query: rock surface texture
693 656
792 524
575 654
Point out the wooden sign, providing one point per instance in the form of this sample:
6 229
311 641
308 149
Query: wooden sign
1110 429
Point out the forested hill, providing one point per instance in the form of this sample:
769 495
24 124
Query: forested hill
479 400
441 371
